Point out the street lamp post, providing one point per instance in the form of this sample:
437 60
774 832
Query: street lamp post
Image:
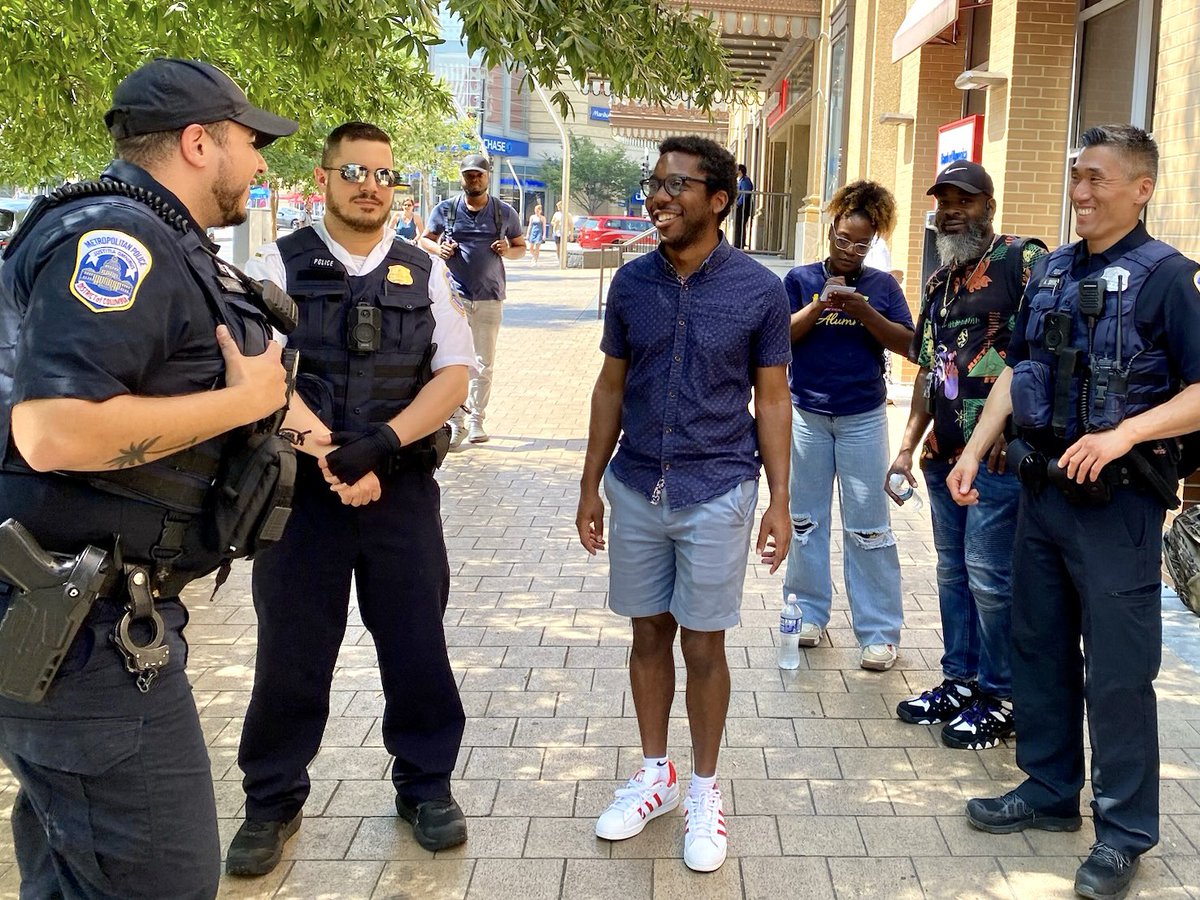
566 171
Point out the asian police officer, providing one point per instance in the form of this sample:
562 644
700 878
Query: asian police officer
1105 374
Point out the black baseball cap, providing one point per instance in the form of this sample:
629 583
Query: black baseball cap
167 94
968 176
475 163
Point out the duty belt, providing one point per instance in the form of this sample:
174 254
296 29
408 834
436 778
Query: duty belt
54 593
1035 470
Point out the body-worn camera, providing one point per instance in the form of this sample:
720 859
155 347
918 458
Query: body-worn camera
364 328
1058 331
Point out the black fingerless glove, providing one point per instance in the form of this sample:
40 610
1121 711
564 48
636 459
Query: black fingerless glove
362 454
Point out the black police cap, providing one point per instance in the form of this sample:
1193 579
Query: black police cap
167 94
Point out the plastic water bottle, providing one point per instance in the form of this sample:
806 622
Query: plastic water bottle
790 620
905 491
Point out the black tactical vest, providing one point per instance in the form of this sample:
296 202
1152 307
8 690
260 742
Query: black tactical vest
350 388
179 482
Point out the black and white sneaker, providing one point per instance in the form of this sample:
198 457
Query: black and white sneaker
940 704
981 726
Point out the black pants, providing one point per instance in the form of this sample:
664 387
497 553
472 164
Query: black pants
741 223
1090 574
395 551
116 796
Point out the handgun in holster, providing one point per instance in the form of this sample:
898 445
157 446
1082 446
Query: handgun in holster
53 595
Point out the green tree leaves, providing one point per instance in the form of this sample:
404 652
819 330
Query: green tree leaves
321 61
597 176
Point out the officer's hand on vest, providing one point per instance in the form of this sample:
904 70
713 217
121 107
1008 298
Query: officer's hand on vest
260 379
364 454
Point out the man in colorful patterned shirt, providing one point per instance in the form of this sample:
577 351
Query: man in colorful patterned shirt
962 337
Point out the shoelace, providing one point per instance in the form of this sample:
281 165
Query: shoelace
631 795
935 695
1111 855
706 817
981 711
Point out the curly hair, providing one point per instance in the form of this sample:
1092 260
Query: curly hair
868 199
716 163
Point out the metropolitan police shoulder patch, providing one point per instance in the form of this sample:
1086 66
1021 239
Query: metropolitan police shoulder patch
110 267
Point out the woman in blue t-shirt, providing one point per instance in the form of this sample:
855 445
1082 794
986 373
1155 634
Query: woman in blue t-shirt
844 317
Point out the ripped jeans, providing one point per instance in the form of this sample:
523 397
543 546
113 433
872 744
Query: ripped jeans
854 450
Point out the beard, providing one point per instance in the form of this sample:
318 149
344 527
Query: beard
690 231
969 244
354 218
229 196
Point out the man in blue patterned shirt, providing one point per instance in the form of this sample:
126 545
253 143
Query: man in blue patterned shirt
690 331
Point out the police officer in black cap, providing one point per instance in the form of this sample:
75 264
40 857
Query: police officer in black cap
132 361
1105 376
385 353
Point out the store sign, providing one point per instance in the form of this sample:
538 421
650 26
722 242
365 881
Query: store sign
599 113
780 104
958 141
505 146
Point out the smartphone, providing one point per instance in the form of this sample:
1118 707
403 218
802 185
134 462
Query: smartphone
830 292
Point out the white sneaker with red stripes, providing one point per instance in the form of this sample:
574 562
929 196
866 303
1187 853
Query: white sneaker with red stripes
636 804
705 839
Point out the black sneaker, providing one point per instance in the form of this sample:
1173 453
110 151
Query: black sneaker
437 824
258 846
1106 873
1004 815
940 704
981 726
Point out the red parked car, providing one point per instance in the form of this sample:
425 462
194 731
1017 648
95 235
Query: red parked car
604 231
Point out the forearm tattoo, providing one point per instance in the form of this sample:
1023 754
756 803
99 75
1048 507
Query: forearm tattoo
142 452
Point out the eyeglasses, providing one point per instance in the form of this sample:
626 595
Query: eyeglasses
849 246
673 183
357 174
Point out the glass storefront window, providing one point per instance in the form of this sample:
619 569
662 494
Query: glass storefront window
1107 66
835 145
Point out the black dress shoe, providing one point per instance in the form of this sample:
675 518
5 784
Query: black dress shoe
257 846
1106 874
437 824
1004 815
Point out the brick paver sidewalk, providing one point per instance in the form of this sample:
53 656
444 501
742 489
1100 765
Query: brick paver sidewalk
828 794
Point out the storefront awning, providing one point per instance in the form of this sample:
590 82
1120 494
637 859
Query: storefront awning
925 21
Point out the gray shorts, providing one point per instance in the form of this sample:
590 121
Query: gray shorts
690 562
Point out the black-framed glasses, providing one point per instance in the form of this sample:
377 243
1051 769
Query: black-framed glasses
673 183
848 246
355 173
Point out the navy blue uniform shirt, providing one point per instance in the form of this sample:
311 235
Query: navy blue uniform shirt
837 368
102 303
1167 310
693 347
476 270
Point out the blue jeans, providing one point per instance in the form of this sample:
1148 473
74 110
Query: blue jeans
854 449
974 572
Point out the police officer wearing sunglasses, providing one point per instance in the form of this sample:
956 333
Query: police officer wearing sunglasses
132 359
1104 374
385 354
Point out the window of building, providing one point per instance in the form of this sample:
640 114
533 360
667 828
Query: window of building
978 54
839 77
